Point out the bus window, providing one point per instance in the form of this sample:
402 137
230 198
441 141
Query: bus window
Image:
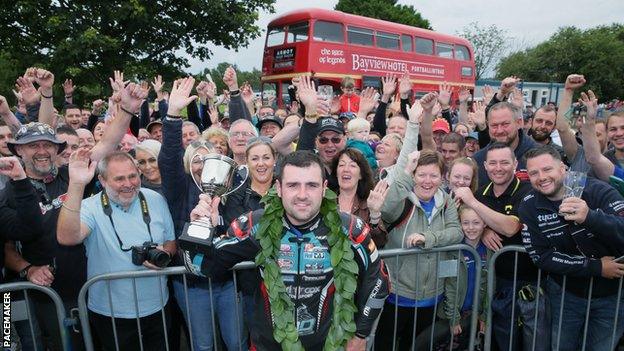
297 32
275 37
424 46
360 36
461 53
444 50
406 42
387 41
328 31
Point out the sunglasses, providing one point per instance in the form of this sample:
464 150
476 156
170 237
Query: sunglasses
325 140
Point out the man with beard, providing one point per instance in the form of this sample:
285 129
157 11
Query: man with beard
44 261
503 126
578 239
543 124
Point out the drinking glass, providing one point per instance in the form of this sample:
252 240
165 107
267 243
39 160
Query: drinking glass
574 183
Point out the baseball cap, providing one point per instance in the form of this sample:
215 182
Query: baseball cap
35 131
271 118
330 123
440 125
152 124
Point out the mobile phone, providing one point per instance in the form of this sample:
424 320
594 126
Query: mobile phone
619 259
209 77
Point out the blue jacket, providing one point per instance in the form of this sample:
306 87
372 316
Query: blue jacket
178 187
565 248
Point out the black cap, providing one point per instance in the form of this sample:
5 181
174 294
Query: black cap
330 123
35 131
271 118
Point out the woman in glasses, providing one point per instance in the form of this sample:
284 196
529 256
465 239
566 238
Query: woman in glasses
146 155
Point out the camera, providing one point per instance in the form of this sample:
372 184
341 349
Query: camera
148 252
579 111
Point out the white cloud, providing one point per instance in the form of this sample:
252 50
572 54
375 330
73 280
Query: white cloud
528 22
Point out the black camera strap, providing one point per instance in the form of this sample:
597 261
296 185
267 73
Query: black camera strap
109 212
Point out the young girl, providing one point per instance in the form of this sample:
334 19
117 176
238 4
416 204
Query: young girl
459 290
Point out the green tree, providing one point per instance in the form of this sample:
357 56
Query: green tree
387 10
89 39
489 45
597 53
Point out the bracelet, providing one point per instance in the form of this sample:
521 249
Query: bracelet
126 111
70 209
172 116
43 95
235 92
313 116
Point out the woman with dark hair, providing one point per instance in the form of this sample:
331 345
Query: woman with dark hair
357 193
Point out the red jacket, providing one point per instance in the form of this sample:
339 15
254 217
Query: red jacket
349 103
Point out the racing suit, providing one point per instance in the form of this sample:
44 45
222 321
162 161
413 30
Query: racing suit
305 263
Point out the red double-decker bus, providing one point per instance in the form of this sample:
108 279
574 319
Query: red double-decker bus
331 45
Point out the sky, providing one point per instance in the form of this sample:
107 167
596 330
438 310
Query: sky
528 22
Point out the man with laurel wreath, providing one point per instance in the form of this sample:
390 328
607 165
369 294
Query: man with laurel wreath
320 281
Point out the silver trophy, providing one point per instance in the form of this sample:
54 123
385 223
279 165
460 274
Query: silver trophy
217 179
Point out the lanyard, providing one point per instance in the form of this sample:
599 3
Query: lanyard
109 212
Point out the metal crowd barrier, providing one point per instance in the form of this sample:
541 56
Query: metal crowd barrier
23 310
491 276
396 253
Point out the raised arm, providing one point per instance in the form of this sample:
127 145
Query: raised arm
308 98
129 100
284 138
568 140
70 230
8 116
45 79
464 95
426 128
602 166
503 224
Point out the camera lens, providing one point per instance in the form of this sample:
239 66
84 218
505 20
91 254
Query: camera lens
158 258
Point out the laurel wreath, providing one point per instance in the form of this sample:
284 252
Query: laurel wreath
269 234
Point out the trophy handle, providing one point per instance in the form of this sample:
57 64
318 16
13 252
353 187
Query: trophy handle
241 183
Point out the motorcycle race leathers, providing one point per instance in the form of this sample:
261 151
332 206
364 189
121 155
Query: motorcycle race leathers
305 263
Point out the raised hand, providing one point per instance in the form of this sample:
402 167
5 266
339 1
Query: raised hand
12 167
68 88
131 97
377 197
388 85
414 112
145 87
405 86
574 81
507 85
158 84
230 79
517 99
367 101
247 93
464 94
428 101
4 106
213 114
201 90
81 168
179 97
488 94
591 103
27 90
412 162
444 95
98 107
117 83
479 115
307 94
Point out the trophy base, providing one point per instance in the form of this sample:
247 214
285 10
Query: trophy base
197 238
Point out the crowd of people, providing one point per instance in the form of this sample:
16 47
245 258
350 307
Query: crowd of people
324 185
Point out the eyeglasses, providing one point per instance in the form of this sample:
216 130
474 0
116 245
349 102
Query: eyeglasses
151 160
325 140
241 134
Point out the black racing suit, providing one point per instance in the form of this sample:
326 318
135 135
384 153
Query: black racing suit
305 264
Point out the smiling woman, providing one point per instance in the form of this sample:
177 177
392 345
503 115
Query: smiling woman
147 160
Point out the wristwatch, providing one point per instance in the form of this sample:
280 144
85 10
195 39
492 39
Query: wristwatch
24 272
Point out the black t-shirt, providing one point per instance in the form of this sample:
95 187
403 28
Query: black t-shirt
507 203
70 261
